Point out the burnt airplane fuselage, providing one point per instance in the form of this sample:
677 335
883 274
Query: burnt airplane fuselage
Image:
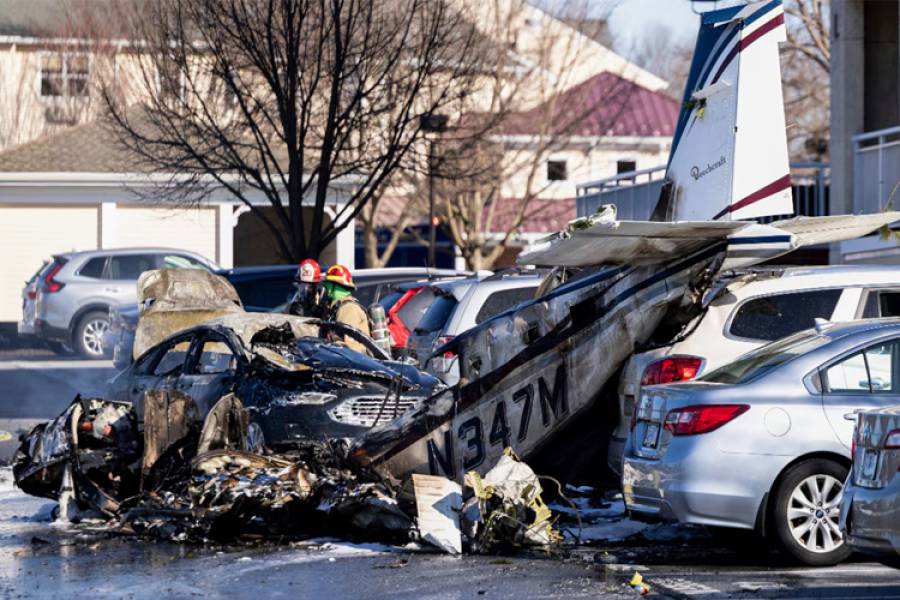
529 373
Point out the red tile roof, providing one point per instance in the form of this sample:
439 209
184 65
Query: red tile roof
542 215
604 105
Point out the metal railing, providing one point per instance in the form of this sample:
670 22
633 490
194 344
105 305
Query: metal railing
636 193
876 169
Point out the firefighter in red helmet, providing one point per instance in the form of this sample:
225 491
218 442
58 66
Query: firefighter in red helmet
309 300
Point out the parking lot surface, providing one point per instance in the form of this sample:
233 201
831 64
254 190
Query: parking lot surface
36 385
40 558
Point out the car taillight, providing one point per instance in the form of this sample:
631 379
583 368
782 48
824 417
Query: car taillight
51 285
32 294
892 441
670 370
446 339
692 420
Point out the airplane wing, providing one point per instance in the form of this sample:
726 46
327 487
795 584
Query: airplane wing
836 228
626 243
637 243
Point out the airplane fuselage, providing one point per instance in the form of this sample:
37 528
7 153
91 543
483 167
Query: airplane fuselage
534 370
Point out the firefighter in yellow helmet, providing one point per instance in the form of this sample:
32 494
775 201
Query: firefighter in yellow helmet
343 307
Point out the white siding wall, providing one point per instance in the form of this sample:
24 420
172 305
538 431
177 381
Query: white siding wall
582 165
30 235
188 229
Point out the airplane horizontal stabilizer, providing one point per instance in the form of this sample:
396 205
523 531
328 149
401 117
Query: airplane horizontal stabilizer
638 243
626 243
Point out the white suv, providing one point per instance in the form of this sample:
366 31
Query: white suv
469 303
750 310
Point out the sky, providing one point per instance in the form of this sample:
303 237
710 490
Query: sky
629 18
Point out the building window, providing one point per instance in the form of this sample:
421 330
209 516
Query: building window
65 74
556 170
230 83
625 166
170 79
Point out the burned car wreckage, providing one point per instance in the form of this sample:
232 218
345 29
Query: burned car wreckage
244 424
292 374
294 383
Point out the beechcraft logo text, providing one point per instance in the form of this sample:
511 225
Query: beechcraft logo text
696 173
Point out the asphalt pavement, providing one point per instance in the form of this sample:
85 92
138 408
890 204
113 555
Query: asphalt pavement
38 385
40 559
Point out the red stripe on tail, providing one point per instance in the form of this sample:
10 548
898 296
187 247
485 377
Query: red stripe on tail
782 183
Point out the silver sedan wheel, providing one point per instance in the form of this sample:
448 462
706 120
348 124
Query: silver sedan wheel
92 335
813 513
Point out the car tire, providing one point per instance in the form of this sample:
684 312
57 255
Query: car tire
805 512
88 335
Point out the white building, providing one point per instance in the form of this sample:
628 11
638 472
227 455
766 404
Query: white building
865 119
77 190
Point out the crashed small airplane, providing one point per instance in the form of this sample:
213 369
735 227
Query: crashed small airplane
529 373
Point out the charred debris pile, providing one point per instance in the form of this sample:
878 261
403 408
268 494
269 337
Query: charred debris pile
196 480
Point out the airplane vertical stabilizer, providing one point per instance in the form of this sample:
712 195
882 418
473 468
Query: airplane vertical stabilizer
729 157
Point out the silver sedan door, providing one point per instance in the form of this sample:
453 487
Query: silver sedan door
864 380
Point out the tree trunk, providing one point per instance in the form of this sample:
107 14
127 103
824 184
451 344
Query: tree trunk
370 247
474 260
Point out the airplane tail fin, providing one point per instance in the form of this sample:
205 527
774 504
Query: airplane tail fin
729 157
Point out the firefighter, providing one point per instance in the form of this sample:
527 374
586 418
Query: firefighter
309 300
343 307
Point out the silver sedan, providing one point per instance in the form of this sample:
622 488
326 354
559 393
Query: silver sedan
762 443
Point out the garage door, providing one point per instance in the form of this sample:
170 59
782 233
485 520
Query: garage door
186 229
30 235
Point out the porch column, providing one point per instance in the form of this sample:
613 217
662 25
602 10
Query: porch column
226 221
106 225
345 246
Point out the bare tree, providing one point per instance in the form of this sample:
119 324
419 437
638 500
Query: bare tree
492 166
527 56
285 99
806 61
661 52
394 215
